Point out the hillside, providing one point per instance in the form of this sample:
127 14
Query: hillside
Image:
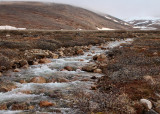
146 24
35 15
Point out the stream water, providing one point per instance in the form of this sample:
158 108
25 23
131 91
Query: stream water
61 94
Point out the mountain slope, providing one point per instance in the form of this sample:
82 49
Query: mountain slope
35 15
146 24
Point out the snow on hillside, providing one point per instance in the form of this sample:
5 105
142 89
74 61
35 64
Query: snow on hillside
117 20
103 28
108 17
6 27
146 24
145 28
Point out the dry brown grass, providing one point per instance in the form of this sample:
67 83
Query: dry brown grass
105 103
128 68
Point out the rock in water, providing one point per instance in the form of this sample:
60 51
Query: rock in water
80 52
19 106
43 61
101 58
95 57
89 68
68 68
5 87
23 63
45 104
55 56
97 71
38 80
16 70
146 103
3 107
0 74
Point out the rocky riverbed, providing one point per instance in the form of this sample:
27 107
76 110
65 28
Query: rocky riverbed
55 85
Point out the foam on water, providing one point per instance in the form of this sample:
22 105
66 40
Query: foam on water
9 112
33 86
42 69
15 96
118 43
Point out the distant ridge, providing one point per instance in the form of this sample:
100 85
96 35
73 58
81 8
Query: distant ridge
146 24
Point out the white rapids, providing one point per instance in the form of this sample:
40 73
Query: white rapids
40 91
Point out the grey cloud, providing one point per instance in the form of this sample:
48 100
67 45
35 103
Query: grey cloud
124 9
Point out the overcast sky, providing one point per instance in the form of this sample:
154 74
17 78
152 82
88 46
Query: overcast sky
123 9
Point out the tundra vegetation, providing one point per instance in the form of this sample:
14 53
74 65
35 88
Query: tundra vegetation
131 71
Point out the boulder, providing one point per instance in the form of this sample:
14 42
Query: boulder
59 80
97 71
93 77
53 80
23 63
3 107
103 65
44 61
46 104
78 70
95 57
0 74
93 52
22 81
63 70
31 107
89 55
80 52
146 103
38 80
35 63
149 79
89 68
103 48
5 87
90 46
26 91
25 67
68 68
37 53
85 79
93 87
101 58
62 80
60 53
19 106
16 70
55 56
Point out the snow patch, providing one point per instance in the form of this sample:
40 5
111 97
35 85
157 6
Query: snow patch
116 21
126 24
6 27
108 17
145 28
103 28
